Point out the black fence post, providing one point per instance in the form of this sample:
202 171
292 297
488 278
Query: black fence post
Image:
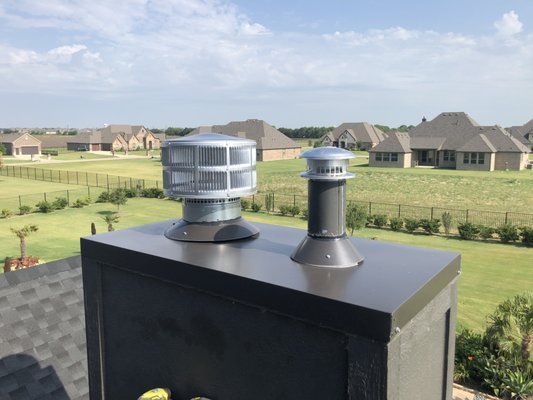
44 195
88 191
466 215
20 202
68 179
60 176
143 183
506 217
399 210
87 178
108 182
77 178
431 213
273 202
369 208
68 198
96 180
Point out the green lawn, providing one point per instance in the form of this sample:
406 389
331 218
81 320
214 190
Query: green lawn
77 155
12 187
491 271
496 191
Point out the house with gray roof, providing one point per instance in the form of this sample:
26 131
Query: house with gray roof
21 143
271 143
454 140
523 133
114 138
354 135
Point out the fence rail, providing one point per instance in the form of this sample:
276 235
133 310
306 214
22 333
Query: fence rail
109 182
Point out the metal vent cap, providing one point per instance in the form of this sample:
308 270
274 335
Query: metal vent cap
327 164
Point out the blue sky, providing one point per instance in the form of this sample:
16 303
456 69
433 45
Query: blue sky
165 63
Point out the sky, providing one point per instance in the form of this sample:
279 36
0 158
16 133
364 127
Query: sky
159 63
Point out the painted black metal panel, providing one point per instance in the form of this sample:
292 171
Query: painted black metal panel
327 208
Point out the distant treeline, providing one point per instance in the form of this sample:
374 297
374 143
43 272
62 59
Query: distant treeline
172 131
305 132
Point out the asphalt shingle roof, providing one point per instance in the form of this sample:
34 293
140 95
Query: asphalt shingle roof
397 142
362 131
266 136
42 333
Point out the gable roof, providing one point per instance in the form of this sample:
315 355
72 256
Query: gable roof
13 137
361 131
397 142
523 133
456 128
266 136
478 143
42 333
96 137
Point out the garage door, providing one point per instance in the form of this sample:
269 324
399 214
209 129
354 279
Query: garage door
30 149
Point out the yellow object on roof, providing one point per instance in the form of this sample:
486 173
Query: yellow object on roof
156 394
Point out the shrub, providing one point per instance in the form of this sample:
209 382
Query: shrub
470 356
507 233
44 206
153 193
430 225
130 193
82 202
527 235
447 222
5 213
369 220
294 210
60 203
104 197
396 223
356 216
284 209
380 220
412 224
245 204
24 210
468 231
305 213
486 232
256 207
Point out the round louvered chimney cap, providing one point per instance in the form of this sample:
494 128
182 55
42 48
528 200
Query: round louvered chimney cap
327 163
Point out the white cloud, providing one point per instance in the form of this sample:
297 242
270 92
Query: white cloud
198 47
509 24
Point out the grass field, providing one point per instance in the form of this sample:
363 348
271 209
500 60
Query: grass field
491 271
497 190
12 187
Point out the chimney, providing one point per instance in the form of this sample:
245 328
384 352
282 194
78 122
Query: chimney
326 243
210 172
204 315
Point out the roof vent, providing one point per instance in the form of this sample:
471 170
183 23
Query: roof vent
210 172
326 243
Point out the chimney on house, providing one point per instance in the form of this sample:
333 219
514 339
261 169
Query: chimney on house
326 243
210 172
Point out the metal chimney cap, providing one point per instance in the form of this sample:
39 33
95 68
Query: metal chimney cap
327 153
327 164
206 138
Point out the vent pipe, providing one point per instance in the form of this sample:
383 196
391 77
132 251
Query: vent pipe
210 172
326 243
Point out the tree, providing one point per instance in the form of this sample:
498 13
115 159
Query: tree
511 326
118 197
355 216
2 149
110 219
22 234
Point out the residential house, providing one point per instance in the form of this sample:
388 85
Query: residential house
18 144
97 141
453 140
523 133
354 135
144 139
271 143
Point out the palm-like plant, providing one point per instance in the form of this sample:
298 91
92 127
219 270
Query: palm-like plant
110 219
511 326
22 234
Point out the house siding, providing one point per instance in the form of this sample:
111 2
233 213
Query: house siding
511 161
446 164
404 161
487 166
25 144
277 154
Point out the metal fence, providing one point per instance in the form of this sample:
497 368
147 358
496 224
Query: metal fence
478 217
108 182
82 178
31 200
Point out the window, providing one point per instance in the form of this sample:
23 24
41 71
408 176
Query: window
387 157
474 158
449 155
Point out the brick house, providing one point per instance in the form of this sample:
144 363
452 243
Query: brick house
97 141
271 143
354 135
452 140
523 133
18 144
